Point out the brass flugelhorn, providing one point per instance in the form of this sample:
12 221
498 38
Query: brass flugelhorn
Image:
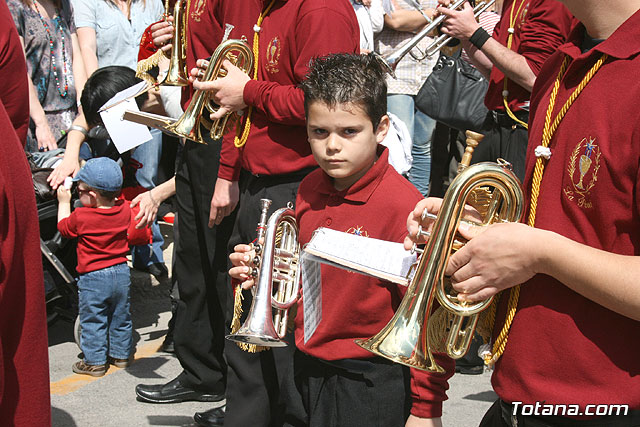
238 52
405 339
277 279
391 61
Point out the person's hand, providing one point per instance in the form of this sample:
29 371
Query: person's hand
162 34
67 167
64 194
227 92
242 261
460 24
45 138
224 200
496 257
414 421
148 209
423 217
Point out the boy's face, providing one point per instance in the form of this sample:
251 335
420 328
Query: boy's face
343 141
86 195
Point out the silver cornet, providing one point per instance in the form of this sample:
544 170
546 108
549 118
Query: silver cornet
391 61
277 279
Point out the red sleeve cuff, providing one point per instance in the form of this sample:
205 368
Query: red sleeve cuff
230 173
250 92
427 409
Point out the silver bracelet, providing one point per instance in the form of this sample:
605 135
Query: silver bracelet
152 199
80 129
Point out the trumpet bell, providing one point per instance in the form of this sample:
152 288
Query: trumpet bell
177 71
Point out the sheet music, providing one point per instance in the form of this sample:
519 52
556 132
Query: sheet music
312 295
378 258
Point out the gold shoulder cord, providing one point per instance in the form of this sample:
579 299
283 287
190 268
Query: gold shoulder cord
241 137
505 91
547 133
239 141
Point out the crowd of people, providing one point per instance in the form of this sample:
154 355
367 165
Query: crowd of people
322 126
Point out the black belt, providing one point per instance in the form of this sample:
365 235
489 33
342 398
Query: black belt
502 119
630 420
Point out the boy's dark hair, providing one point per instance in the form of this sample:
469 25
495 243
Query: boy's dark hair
103 85
344 78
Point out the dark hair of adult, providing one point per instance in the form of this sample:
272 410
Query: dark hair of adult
103 85
347 79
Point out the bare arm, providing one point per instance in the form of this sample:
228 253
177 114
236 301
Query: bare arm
88 49
461 24
408 20
79 70
70 162
150 201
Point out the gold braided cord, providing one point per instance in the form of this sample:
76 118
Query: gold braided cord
241 137
547 133
512 22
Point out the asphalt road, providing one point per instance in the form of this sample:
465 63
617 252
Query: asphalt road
83 401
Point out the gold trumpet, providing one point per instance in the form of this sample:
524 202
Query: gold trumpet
177 71
238 52
391 61
405 339
277 276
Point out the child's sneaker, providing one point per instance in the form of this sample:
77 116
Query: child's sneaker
85 369
119 363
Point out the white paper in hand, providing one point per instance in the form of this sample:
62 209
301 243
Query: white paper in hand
124 134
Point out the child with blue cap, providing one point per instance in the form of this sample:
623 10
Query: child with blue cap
101 226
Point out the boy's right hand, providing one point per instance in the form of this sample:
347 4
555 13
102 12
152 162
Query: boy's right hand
242 261
64 194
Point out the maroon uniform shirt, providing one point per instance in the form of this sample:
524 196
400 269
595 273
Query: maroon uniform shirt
294 32
24 363
564 348
540 27
101 233
14 89
354 305
204 34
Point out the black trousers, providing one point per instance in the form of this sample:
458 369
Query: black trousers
503 138
260 385
352 393
201 271
501 415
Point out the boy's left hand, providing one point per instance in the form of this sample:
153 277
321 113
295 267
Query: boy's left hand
242 261
64 194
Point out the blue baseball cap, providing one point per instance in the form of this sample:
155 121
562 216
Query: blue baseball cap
101 173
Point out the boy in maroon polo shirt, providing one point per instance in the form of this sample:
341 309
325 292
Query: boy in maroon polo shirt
357 191
101 228
573 340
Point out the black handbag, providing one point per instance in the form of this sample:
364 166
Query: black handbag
454 93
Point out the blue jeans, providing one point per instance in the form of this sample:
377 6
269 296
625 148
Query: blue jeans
105 317
421 129
148 154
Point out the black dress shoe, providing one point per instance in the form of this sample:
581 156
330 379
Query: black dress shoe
173 392
212 417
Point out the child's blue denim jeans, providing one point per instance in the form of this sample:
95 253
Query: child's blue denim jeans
105 317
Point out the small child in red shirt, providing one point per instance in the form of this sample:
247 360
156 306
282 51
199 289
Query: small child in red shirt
357 191
101 228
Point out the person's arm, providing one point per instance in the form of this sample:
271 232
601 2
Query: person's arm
408 20
70 163
87 45
43 133
505 255
376 13
150 201
461 24
79 69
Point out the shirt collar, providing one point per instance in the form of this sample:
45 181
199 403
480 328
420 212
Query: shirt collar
622 44
362 190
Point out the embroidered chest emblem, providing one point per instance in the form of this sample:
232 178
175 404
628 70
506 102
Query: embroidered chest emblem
198 9
525 10
358 231
273 55
583 167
